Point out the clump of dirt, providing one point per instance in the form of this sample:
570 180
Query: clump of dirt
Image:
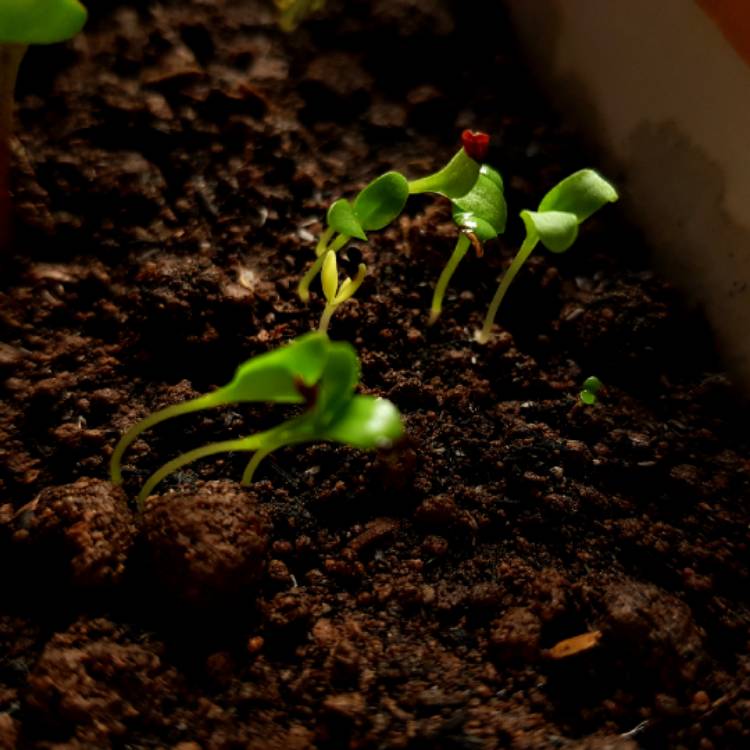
82 532
207 543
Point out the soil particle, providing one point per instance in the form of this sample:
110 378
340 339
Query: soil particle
207 543
655 628
515 636
83 530
93 682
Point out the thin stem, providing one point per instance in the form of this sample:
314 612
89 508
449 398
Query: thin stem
258 456
225 446
10 59
462 245
521 257
325 238
175 410
303 288
325 318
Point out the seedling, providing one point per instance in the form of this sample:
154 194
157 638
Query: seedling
475 191
293 12
311 370
25 22
336 295
555 224
591 387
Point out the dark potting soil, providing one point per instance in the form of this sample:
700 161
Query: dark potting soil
171 172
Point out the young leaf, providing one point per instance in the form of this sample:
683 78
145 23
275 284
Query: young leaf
337 383
582 193
557 230
483 209
275 376
329 276
366 422
455 179
342 219
378 204
40 21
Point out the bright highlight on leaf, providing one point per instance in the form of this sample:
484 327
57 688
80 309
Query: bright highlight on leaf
311 370
555 224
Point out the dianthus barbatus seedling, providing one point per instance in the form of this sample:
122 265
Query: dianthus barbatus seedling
25 22
311 370
474 189
555 224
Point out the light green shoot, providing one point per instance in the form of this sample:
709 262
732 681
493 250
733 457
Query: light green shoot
293 12
336 295
555 224
591 387
311 370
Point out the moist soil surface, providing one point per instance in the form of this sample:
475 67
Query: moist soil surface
170 173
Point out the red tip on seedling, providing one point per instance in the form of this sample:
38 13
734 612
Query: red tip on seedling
475 143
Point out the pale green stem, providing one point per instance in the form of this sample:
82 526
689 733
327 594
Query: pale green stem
521 257
258 456
325 318
175 410
462 245
303 288
325 238
225 446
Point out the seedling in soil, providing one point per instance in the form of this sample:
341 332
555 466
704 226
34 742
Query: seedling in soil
555 224
336 295
25 22
294 12
591 386
311 370
475 192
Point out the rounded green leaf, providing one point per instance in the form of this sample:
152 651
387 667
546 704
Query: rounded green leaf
556 230
366 422
492 174
479 227
455 179
40 21
582 193
342 219
276 375
381 201
592 384
337 382
485 202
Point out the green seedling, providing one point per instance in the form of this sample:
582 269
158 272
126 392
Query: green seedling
336 295
311 370
555 224
293 12
475 192
591 387
25 22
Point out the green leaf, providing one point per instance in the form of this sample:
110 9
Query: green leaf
276 375
484 203
455 179
378 204
341 217
582 193
366 422
482 229
556 230
40 21
337 382
487 171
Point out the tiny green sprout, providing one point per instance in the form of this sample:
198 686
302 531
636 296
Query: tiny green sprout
311 370
25 22
555 224
475 191
294 12
336 295
591 386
